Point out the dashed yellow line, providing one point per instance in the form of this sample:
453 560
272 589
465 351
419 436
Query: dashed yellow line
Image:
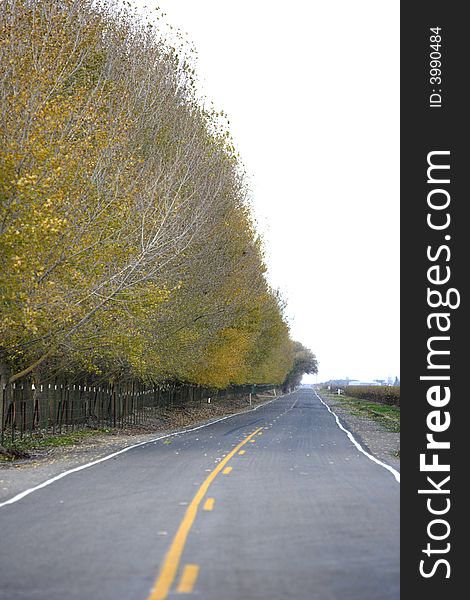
188 579
227 470
209 504
173 557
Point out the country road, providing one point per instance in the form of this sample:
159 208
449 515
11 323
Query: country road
273 504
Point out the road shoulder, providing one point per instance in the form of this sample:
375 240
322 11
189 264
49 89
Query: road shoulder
378 440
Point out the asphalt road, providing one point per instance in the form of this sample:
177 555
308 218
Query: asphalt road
272 504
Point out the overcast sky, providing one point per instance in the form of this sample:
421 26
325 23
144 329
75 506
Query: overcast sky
311 89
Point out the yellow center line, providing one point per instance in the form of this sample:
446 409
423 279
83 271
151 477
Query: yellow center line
209 504
188 579
173 557
227 470
242 452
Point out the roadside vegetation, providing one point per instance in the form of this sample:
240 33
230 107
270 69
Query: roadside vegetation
386 415
21 448
127 245
389 395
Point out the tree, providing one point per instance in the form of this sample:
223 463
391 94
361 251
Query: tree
127 246
304 361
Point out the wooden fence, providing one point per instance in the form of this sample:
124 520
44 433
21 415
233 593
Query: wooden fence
59 407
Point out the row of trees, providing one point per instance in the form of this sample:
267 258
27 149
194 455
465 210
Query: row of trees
126 242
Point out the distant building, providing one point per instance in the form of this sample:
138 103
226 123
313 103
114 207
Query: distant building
345 382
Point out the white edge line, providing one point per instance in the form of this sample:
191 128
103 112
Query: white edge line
393 471
104 458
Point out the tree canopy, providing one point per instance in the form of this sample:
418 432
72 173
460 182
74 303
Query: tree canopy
127 245
304 361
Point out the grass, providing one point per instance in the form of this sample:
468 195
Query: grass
387 416
22 447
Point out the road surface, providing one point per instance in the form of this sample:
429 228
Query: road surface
273 504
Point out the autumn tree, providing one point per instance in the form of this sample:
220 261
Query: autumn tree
127 246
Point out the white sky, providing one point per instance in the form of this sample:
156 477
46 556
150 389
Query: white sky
311 89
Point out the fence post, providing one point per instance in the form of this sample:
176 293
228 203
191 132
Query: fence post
13 411
2 413
114 405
